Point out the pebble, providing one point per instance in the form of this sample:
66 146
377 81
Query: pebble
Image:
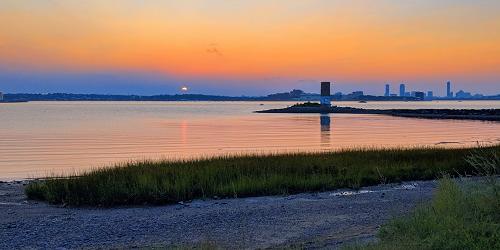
257 222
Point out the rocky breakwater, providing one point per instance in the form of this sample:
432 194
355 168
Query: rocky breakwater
462 114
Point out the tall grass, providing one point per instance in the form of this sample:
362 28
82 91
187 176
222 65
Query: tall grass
461 216
163 182
458 218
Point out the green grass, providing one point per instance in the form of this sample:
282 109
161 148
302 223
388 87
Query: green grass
464 213
307 104
166 182
459 217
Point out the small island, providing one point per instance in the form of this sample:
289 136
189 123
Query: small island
461 114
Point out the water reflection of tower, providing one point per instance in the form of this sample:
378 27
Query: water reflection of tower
324 121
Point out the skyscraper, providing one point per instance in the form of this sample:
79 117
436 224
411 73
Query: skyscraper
402 89
387 90
448 90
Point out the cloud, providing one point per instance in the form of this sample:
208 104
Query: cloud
212 49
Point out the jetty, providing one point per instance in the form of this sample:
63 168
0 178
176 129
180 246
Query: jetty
460 114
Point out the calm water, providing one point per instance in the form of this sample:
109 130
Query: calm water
39 138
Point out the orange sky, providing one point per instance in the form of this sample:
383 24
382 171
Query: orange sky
354 40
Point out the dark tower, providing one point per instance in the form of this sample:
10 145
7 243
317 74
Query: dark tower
325 94
325 88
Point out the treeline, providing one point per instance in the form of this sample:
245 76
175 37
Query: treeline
294 95
100 97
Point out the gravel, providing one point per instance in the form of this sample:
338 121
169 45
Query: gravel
310 220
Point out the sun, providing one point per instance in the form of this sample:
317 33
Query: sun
184 88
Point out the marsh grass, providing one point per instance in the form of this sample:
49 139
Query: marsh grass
163 182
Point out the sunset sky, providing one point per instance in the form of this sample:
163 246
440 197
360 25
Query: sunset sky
247 47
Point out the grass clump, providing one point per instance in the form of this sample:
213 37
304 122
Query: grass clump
458 218
164 182
462 215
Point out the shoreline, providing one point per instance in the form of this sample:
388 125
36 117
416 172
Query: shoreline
311 220
13 101
457 114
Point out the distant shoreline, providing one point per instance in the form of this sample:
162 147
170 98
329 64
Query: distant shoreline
13 101
291 96
242 100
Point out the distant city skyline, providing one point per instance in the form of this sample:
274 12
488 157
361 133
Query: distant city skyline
429 94
221 47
